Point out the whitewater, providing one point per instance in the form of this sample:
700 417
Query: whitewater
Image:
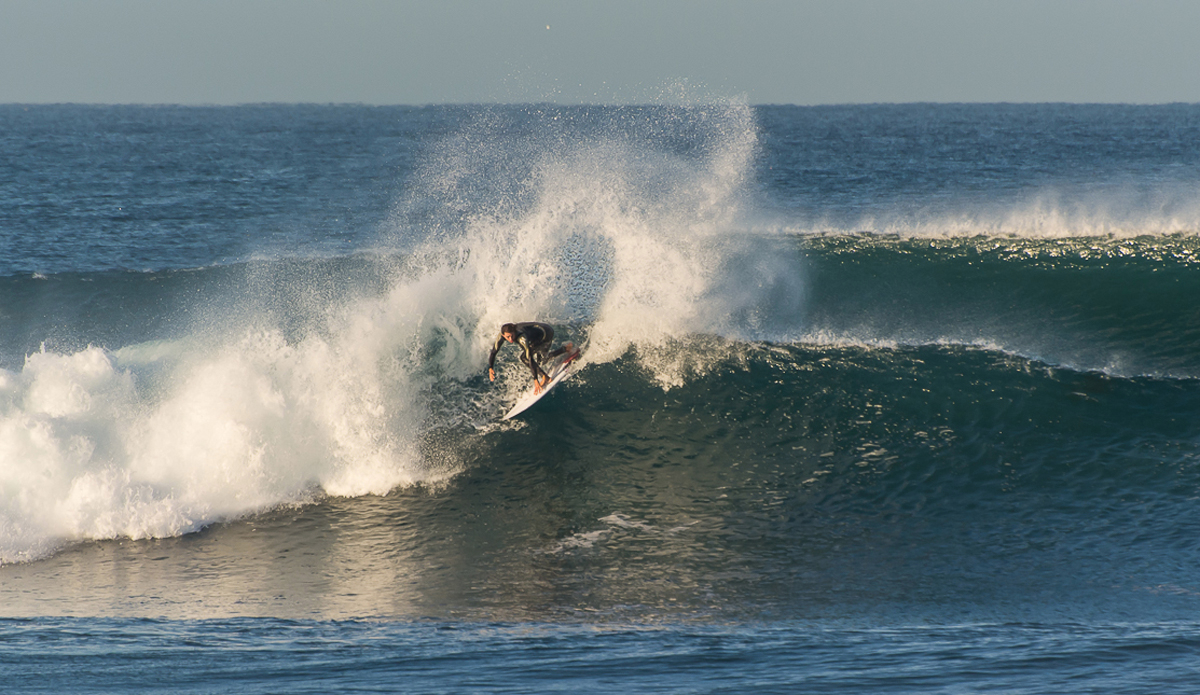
866 390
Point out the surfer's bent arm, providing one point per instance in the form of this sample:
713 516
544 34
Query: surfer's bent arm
531 358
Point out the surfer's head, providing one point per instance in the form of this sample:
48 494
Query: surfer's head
509 331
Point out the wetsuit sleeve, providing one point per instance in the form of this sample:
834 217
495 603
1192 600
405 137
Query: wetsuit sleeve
495 348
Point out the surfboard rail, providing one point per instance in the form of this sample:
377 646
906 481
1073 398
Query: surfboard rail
560 369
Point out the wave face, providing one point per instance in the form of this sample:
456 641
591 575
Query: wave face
840 361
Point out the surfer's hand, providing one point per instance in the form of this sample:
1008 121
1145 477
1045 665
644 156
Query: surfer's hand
491 374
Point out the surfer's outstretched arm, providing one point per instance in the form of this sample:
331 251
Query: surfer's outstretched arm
492 357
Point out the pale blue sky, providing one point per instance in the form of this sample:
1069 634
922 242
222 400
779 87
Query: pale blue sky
456 51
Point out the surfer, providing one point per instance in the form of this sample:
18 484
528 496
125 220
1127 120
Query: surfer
534 339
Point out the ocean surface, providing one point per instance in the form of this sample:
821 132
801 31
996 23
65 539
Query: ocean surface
894 398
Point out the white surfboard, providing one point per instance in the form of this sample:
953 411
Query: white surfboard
560 368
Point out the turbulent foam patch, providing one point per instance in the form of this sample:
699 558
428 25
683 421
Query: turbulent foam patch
102 445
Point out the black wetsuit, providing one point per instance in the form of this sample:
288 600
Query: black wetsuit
534 339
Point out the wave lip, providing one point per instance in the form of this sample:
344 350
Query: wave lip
1115 305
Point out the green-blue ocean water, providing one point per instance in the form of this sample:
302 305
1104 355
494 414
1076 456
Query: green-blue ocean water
874 399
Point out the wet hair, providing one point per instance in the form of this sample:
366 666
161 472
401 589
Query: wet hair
508 328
